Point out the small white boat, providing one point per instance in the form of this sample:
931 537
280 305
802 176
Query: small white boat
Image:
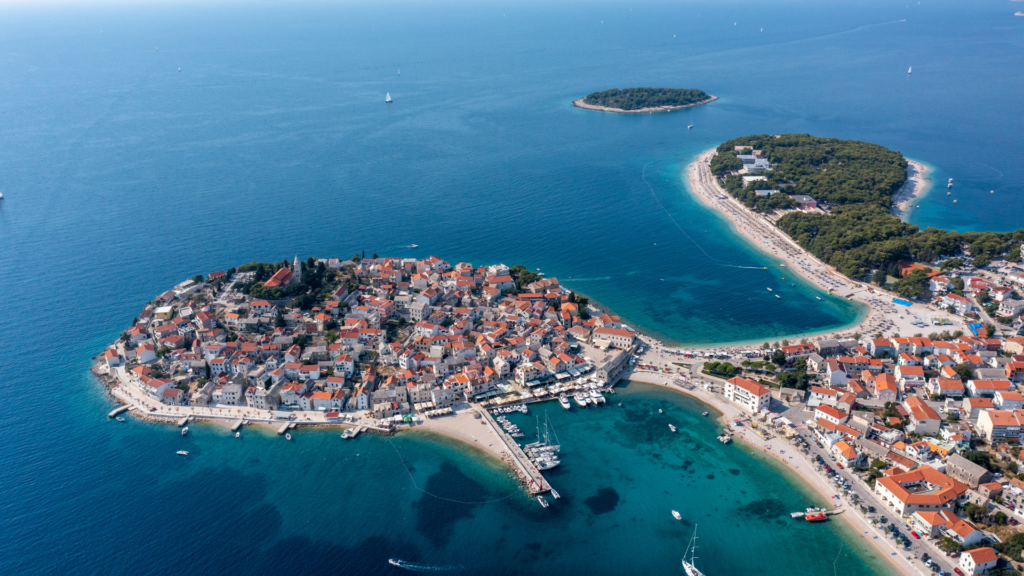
770 290
818 297
119 419
555 494
690 126
564 403
677 515
414 245
542 501
671 427
238 434
779 297
288 437
909 70
179 69
659 411
387 98
580 399
184 431
705 413
181 453
399 71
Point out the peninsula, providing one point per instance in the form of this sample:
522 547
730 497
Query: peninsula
370 344
871 400
642 100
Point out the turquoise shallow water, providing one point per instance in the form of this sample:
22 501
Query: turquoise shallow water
123 176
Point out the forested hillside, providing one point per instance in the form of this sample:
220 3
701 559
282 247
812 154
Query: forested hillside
639 98
858 181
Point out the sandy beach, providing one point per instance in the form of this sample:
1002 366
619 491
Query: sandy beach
884 316
581 104
796 465
913 189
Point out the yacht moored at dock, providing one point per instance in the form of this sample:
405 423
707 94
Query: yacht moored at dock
564 403
580 399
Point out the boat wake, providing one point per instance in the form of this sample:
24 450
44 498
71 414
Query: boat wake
421 567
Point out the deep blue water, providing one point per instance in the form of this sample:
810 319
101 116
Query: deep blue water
123 176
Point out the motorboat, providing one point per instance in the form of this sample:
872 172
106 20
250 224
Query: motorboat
818 516
705 413
238 434
677 515
542 501
288 437
182 453
184 431
770 290
580 399
671 427
564 403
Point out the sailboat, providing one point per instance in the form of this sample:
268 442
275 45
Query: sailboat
399 71
909 70
387 98
690 567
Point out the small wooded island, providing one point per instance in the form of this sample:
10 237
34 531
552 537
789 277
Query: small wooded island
639 100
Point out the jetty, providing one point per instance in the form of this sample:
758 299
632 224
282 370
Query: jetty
237 425
525 471
183 421
282 429
118 410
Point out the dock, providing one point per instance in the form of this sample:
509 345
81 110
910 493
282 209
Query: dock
237 425
282 429
183 421
527 473
118 410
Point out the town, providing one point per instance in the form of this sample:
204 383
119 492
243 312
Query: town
919 434
931 425
391 338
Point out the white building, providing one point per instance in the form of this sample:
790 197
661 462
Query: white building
747 393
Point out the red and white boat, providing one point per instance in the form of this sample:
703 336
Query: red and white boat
818 516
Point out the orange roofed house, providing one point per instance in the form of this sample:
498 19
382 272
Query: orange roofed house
749 394
923 489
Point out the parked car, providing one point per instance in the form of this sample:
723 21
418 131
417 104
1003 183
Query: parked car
958 571
915 534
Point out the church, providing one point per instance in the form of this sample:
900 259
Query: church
284 276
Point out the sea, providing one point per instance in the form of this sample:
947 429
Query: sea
146 142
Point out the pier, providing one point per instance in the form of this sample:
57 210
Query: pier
183 421
527 473
118 410
282 429
237 425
